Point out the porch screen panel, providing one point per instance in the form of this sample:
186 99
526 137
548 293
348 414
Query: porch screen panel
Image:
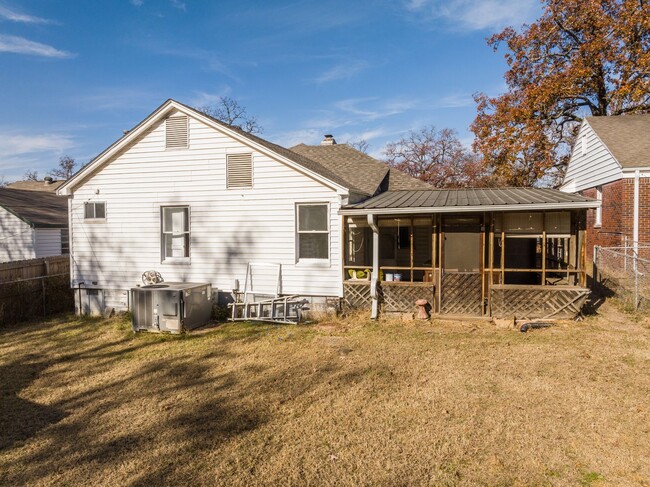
462 246
462 252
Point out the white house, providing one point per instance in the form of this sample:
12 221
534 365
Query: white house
610 162
32 225
197 200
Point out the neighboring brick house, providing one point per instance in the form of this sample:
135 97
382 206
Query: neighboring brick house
611 162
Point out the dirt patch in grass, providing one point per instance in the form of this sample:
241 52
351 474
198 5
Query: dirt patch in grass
339 403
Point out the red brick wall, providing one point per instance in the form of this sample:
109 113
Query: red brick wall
618 215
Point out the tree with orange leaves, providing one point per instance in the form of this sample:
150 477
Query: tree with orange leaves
580 58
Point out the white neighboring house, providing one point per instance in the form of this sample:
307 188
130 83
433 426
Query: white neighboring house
33 224
610 162
197 200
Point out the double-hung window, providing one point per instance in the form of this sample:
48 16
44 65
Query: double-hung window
312 231
175 233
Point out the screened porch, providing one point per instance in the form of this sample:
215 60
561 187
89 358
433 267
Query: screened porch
469 263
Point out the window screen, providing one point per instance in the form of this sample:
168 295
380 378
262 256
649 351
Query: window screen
94 210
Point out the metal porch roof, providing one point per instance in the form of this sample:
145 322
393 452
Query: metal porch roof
468 200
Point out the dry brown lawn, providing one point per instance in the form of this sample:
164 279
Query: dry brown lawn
86 402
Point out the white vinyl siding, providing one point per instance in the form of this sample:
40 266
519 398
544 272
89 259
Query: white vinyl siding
16 238
176 132
229 227
591 163
47 242
239 171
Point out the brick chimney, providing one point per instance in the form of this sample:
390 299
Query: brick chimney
328 140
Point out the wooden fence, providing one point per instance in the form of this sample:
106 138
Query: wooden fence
35 288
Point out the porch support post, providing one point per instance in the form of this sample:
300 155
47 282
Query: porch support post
372 222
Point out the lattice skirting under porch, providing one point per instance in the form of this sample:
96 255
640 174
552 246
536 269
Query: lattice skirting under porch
356 295
461 294
535 302
402 297
392 297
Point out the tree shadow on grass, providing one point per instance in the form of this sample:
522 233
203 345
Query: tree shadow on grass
21 419
169 408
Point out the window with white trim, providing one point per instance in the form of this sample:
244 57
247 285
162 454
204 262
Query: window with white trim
599 210
94 210
175 233
312 231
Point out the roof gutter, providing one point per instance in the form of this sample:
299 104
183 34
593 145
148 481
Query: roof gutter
470 209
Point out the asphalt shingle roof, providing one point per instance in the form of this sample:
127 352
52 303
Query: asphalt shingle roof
36 186
460 198
366 172
39 209
626 136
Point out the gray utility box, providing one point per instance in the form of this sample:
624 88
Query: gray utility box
171 306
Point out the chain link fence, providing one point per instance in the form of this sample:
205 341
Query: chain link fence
624 272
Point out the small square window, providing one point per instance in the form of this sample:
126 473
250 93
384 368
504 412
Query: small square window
95 211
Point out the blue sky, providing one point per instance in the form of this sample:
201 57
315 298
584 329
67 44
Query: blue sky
75 74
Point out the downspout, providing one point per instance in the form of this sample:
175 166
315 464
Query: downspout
374 279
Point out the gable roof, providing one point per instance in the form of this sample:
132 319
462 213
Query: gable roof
36 208
37 185
468 200
626 136
353 166
297 161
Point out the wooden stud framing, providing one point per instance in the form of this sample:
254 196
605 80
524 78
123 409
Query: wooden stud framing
411 246
481 264
441 237
491 260
503 249
544 249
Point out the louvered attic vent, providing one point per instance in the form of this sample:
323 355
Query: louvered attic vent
239 171
176 132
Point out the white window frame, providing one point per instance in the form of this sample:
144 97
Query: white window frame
304 260
164 259
599 210
583 144
94 204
